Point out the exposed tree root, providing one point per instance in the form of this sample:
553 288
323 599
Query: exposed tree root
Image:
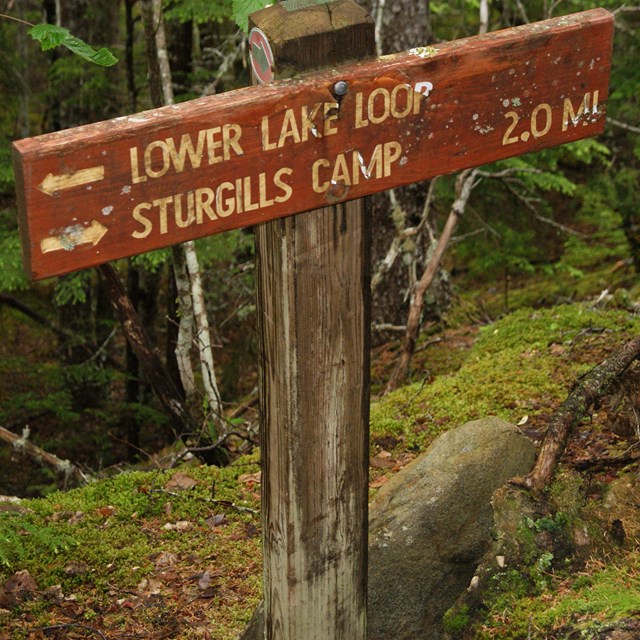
587 390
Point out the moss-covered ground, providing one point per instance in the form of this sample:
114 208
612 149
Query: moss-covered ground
176 554
144 555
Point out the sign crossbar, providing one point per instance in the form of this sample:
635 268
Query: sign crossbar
117 188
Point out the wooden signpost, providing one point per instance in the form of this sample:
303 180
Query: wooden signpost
318 141
113 189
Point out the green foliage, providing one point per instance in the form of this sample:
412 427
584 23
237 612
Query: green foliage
6 169
21 539
50 36
551 524
12 276
225 247
584 605
243 8
152 261
197 10
72 289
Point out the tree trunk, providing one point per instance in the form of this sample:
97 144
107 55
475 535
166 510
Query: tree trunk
150 362
191 294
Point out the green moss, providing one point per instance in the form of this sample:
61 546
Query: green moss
576 604
118 527
515 368
456 619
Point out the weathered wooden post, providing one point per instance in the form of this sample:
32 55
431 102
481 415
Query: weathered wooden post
313 323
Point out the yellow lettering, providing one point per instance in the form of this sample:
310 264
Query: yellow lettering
330 116
266 145
341 170
248 205
264 202
204 200
135 172
308 125
239 195
179 156
162 206
145 222
395 112
375 164
227 206
360 120
213 145
287 190
371 105
392 151
289 129
148 161
417 97
231 139
177 210
570 116
315 175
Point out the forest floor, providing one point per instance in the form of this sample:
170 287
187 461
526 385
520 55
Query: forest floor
175 553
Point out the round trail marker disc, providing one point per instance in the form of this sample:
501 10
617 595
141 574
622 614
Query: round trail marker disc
261 56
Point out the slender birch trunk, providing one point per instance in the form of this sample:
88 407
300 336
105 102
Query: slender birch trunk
186 266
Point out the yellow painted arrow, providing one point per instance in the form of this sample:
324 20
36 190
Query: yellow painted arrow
53 184
74 235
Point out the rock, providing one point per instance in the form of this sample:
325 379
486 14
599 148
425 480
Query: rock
430 525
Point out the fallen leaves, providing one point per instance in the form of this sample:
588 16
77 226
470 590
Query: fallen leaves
181 481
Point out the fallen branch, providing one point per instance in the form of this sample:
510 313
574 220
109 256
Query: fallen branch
21 444
585 393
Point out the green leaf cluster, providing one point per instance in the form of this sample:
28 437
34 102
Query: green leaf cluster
243 8
50 36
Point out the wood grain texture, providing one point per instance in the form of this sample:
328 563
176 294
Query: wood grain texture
265 152
313 323
314 319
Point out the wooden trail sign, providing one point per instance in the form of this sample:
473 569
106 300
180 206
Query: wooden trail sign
113 189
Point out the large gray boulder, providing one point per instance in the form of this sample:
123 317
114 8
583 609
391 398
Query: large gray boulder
430 525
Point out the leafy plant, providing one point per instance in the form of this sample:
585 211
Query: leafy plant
51 36
20 538
243 8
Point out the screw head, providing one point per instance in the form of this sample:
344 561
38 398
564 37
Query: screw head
340 88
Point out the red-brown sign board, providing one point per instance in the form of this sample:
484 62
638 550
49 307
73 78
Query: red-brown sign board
118 188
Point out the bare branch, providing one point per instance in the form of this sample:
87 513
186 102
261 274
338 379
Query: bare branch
379 13
484 17
523 12
465 183
389 327
623 125
599 381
